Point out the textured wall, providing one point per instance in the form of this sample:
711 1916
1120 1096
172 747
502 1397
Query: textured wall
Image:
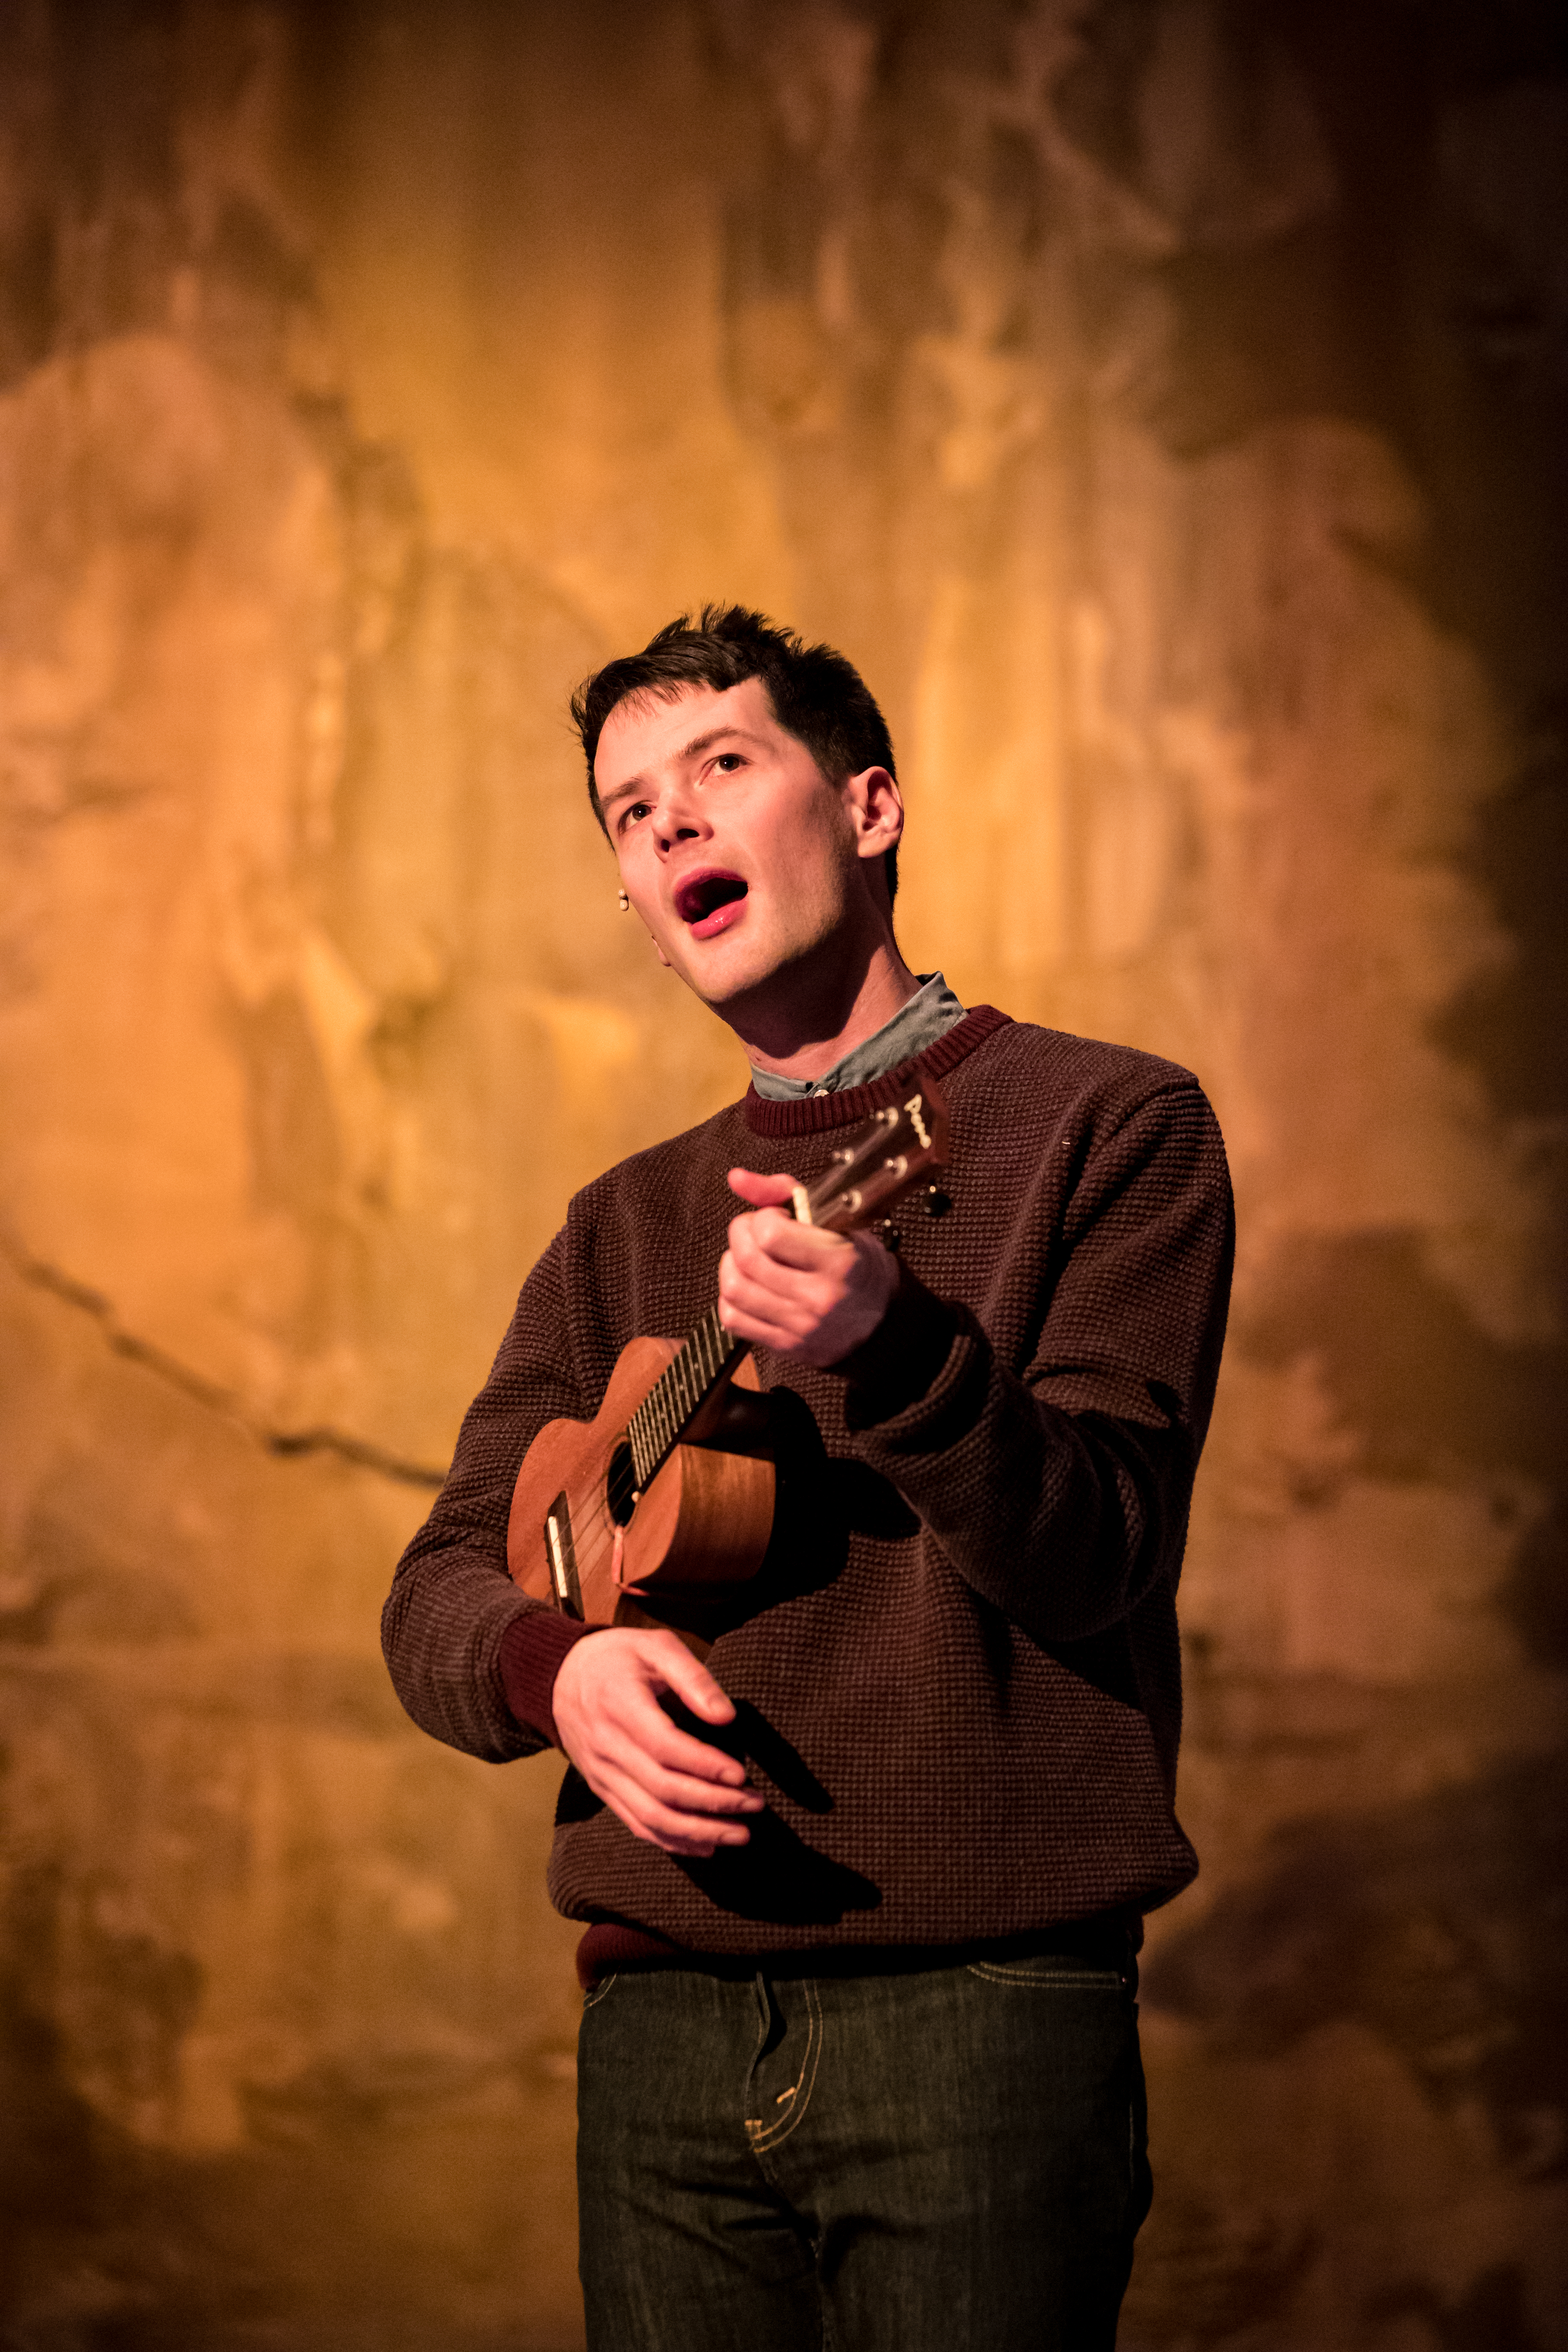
1166 404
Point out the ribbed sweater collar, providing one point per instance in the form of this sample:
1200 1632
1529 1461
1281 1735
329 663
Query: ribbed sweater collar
814 1114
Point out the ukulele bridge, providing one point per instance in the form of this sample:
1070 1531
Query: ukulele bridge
561 1554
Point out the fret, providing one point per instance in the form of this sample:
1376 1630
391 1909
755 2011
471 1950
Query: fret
707 1355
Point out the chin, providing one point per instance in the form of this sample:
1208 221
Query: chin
728 971
719 987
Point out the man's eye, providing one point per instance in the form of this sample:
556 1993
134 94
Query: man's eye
728 762
637 809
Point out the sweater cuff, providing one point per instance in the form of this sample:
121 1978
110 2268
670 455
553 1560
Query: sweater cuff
533 1649
895 1367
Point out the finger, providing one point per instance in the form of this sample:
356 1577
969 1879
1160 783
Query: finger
648 1732
762 1192
759 1333
683 1794
748 1312
695 1804
672 1826
669 1832
694 1845
766 1238
624 1763
788 1294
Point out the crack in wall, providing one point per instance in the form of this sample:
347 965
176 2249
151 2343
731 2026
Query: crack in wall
285 1442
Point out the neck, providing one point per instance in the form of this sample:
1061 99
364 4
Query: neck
807 1017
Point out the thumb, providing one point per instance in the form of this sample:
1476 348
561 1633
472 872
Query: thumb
691 1681
762 1192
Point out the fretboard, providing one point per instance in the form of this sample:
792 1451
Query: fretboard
654 1430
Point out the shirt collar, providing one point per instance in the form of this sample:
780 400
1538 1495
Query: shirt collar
919 1022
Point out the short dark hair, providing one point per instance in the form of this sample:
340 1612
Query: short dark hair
816 696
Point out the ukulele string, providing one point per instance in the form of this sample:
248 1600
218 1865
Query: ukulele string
600 1519
601 1522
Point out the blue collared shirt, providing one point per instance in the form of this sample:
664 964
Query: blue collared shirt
924 1017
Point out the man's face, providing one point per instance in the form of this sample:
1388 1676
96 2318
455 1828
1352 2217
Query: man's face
737 852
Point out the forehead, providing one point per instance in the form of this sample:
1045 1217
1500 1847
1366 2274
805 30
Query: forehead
647 731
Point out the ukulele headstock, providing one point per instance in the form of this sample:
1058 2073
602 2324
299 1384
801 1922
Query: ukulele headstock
880 1163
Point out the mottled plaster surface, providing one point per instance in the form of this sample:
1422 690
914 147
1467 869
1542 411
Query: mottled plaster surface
1165 403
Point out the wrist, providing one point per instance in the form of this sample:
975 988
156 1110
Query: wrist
533 1649
895 1365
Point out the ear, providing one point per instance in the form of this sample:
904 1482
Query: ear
876 808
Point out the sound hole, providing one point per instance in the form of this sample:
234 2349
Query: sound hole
620 1484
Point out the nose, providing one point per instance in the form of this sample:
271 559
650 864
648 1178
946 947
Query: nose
678 817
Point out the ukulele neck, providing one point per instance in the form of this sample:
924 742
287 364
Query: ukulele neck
708 1357
878 1165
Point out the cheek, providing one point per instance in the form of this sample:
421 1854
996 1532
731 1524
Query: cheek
813 855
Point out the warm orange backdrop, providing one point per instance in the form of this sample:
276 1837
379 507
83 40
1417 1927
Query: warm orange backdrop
1163 402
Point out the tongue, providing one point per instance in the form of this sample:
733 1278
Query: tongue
707 898
720 907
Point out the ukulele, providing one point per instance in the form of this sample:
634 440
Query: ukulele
669 1490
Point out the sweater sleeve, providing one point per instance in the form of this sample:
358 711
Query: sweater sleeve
1061 1493
472 1658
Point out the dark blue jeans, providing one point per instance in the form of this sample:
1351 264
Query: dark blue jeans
949 2158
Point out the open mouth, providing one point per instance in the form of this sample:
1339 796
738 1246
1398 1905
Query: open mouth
709 902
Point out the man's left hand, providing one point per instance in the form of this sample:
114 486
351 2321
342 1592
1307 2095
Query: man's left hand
805 1293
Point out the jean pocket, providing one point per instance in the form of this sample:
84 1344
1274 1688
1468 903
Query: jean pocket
592 1999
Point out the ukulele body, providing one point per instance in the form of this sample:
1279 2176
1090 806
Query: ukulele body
705 1520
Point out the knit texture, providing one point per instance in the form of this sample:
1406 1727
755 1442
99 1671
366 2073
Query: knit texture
957 1674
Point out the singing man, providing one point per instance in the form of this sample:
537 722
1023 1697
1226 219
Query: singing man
862 1888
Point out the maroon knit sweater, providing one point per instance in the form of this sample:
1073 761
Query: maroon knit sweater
957 1675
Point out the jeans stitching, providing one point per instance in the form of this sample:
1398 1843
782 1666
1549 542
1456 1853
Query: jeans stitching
763 2137
592 1999
1053 1980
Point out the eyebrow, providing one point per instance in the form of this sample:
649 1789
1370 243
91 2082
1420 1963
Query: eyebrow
688 751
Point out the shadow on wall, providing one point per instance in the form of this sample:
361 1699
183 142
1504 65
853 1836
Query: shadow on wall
1438 1924
113 2246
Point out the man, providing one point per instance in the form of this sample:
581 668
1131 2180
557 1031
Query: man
858 2059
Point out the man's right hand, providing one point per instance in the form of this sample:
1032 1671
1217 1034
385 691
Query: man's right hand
670 1789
